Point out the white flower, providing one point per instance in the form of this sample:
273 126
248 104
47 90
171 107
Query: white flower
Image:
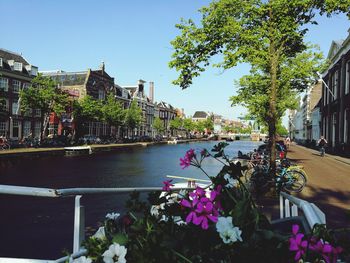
100 233
82 259
115 254
154 210
231 182
227 232
112 216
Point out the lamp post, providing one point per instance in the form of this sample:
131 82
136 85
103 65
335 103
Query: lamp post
320 76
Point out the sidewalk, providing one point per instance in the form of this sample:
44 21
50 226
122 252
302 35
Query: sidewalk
328 186
335 157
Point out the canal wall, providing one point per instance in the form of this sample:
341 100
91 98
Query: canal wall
96 148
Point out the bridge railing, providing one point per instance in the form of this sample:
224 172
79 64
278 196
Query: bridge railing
289 207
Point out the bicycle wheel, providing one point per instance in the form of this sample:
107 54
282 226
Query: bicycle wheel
295 181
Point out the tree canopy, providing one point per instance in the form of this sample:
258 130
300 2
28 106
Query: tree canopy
133 116
158 125
268 35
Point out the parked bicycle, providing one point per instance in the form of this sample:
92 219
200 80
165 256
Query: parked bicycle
4 145
287 179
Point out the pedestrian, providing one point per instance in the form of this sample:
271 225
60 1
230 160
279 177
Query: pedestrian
288 142
322 142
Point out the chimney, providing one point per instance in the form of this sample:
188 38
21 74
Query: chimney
151 91
102 67
141 85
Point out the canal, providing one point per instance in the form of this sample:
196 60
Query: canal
35 227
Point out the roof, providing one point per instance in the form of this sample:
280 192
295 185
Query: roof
9 55
200 115
67 78
335 47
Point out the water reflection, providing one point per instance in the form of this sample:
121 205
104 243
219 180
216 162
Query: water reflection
30 223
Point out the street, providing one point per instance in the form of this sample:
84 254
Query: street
328 184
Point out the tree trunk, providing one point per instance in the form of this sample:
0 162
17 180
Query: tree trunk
273 115
45 123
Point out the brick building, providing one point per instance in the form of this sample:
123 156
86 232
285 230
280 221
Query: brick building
16 74
335 105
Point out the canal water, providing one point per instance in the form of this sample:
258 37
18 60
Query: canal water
35 227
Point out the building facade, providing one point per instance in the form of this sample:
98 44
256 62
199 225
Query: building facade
95 83
335 105
16 74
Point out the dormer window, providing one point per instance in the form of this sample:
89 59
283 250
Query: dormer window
101 94
17 66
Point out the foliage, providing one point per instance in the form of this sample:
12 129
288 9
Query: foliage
188 125
176 123
45 95
281 130
88 109
112 111
158 125
216 223
269 35
133 116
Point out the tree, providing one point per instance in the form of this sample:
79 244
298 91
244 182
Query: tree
133 116
265 34
86 110
188 125
113 112
176 124
158 125
281 130
208 124
45 95
199 126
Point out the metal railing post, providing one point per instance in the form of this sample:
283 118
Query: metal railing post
79 224
281 207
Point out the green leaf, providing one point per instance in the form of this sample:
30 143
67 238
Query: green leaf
121 239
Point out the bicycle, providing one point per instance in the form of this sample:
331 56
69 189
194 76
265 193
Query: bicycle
5 146
322 151
286 179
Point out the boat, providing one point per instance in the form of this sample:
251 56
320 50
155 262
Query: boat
77 150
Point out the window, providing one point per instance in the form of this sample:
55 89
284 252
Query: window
53 129
101 94
4 84
37 129
26 128
3 130
15 129
346 126
16 86
335 85
347 77
4 104
26 85
15 109
0 62
17 66
37 113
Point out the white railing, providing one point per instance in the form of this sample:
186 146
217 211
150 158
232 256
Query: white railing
79 212
291 205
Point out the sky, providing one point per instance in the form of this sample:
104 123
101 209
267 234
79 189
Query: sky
133 39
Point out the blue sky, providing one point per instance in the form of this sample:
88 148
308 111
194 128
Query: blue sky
133 39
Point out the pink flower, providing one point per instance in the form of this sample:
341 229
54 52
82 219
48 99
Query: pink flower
186 161
201 207
327 251
167 185
297 244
